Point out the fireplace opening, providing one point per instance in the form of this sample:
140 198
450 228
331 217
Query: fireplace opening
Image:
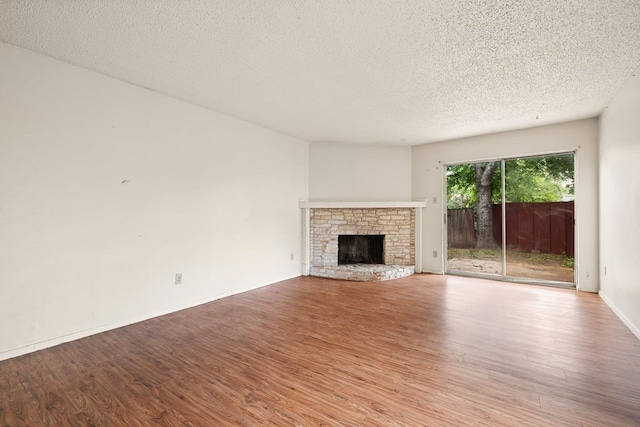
360 249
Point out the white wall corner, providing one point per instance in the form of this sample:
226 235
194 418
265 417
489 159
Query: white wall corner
635 329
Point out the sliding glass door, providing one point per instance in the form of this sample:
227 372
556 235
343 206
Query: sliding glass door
512 219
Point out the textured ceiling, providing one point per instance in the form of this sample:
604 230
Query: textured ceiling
361 71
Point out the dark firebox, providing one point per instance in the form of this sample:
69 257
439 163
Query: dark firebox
360 249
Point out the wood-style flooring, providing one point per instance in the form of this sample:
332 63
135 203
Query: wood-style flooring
421 351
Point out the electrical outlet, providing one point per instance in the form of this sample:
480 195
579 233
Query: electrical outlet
435 254
435 200
179 279
291 257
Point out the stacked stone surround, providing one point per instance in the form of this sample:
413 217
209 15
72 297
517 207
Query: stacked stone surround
396 224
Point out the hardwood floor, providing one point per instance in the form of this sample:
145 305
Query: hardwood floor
424 350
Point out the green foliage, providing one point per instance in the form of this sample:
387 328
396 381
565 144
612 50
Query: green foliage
461 186
539 179
532 179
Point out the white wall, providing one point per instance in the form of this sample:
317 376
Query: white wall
347 172
620 203
108 190
428 183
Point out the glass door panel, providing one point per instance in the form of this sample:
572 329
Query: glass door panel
539 214
474 232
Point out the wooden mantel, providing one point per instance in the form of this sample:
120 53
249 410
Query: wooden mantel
360 205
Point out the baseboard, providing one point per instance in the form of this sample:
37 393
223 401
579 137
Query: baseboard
427 271
628 323
20 351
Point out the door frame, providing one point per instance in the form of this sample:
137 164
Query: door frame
503 276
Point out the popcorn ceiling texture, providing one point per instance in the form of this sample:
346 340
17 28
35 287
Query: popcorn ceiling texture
359 71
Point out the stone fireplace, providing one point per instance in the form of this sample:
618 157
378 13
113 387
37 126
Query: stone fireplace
380 239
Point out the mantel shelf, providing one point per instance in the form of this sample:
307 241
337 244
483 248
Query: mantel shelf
360 205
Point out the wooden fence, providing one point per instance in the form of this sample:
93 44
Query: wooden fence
531 227
461 231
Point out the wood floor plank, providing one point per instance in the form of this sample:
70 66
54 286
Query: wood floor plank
425 350
19 409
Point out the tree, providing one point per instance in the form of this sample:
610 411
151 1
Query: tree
532 179
484 183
